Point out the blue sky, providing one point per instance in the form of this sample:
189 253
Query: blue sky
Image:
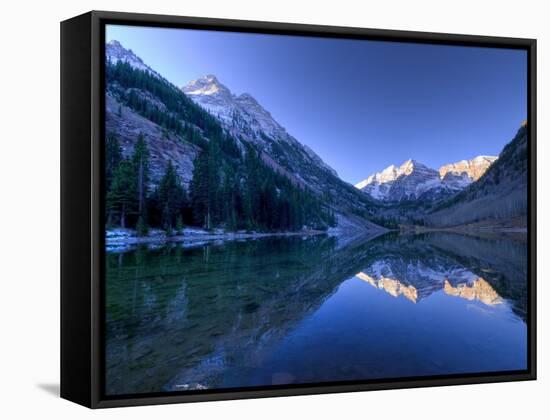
361 105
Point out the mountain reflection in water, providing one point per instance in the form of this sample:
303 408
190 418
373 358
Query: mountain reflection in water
460 283
297 310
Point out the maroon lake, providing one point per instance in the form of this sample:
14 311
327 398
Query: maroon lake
298 310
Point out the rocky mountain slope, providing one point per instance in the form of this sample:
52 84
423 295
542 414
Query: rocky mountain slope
163 145
473 169
414 180
126 123
245 117
115 52
500 193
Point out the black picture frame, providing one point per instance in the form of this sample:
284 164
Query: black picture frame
82 220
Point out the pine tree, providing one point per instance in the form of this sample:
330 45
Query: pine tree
121 197
179 223
214 183
140 160
141 227
113 156
170 197
200 190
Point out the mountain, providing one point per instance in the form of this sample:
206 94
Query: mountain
205 122
415 181
473 168
244 116
499 194
115 52
378 185
170 164
125 121
248 121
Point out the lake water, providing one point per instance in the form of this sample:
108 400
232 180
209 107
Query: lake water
301 310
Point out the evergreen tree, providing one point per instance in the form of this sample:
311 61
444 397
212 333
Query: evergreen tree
170 197
199 190
140 160
214 183
206 189
113 156
141 227
122 197
179 223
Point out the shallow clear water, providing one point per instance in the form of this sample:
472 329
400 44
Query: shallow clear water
299 310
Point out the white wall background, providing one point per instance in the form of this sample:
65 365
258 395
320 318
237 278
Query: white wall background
29 235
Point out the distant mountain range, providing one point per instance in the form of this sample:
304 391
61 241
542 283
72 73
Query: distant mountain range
415 181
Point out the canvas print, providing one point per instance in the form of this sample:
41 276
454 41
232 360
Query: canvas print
297 210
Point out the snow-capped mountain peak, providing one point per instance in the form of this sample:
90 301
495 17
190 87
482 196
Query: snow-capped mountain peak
243 115
207 85
413 180
389 174
233 110
473 168
410 165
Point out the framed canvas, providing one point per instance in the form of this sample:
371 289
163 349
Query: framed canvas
255 209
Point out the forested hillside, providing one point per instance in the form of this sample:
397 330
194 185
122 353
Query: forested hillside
501 193
228 187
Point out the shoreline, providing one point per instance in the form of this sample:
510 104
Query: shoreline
463 229
516 233
126 238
